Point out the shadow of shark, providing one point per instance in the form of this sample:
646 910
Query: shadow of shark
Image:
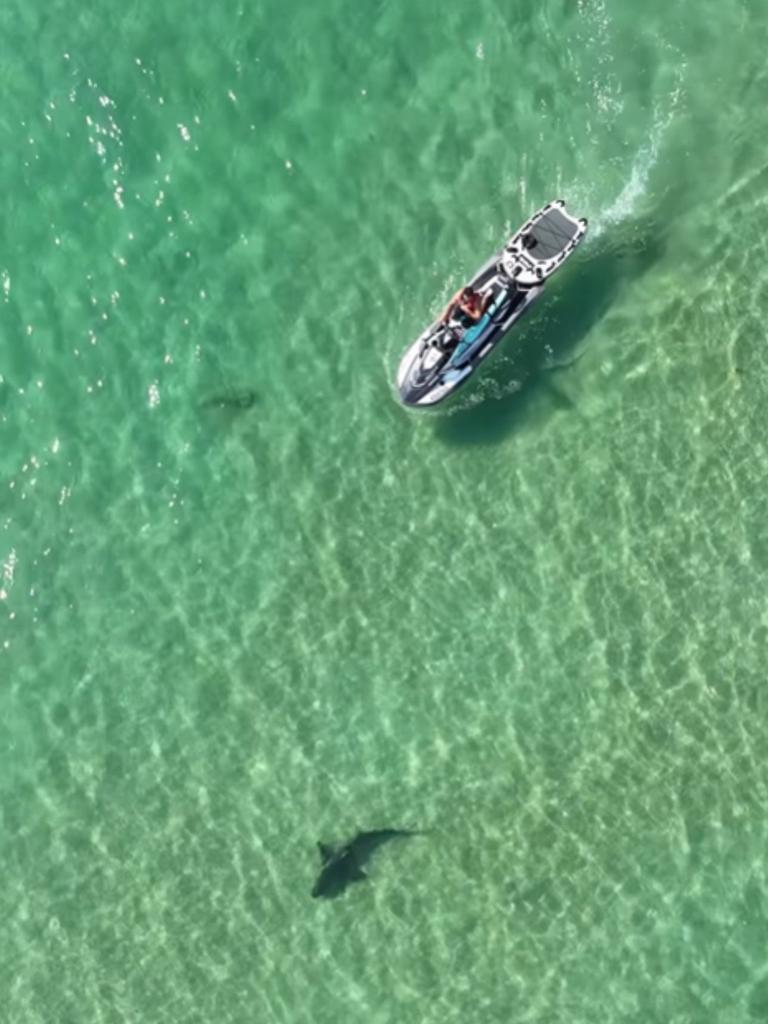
345 864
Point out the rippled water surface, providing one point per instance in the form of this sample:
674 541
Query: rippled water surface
248 602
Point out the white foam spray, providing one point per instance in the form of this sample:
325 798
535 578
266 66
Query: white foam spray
627 203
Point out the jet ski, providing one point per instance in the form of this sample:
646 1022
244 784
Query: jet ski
447 354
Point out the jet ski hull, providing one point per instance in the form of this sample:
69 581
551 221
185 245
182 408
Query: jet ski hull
445 356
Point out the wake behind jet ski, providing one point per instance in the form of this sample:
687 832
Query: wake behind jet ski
480 315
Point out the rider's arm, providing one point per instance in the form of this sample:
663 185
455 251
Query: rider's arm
445 316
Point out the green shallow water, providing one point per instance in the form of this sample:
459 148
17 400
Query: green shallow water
249 602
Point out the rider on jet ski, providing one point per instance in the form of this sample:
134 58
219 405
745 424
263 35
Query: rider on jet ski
469 303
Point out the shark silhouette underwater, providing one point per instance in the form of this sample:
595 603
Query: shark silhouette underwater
345 864
235 400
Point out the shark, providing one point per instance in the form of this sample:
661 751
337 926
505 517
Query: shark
345 864
236 400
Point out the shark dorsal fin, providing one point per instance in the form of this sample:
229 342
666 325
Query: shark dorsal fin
326 852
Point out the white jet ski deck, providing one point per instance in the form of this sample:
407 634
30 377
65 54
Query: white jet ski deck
446 355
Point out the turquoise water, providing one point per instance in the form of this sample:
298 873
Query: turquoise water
248 602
